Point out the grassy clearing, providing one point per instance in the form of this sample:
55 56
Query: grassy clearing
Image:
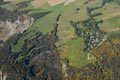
110 17
45 8
44 25
108 12
9 6
77 56
18 1
93 4
110 23
38 3
69 12
73 51
114 33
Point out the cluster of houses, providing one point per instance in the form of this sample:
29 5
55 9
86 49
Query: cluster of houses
93 41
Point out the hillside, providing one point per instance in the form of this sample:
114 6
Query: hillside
60 40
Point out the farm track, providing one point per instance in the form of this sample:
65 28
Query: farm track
112 29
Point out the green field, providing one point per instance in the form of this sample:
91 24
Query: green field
114 33
69 12
73 50
110 23
110 16
18 1
9 6
44 25
76 55
45 8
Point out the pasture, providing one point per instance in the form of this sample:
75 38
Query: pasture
110 15
73 51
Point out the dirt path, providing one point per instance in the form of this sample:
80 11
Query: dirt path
113 15
112 29
55 2
69 1
38 3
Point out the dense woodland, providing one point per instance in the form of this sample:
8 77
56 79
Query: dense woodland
38 59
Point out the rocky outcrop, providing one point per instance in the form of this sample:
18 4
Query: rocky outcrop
8 28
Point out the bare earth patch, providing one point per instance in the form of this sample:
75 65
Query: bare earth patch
113 15
55 2
38 3
8 29
112 30
69 1
14 1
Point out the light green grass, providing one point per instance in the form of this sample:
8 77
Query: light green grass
18 1
46 8
110 23
44 25
75 54
9 6
95 3
69 12
114 33
108 11
110 15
